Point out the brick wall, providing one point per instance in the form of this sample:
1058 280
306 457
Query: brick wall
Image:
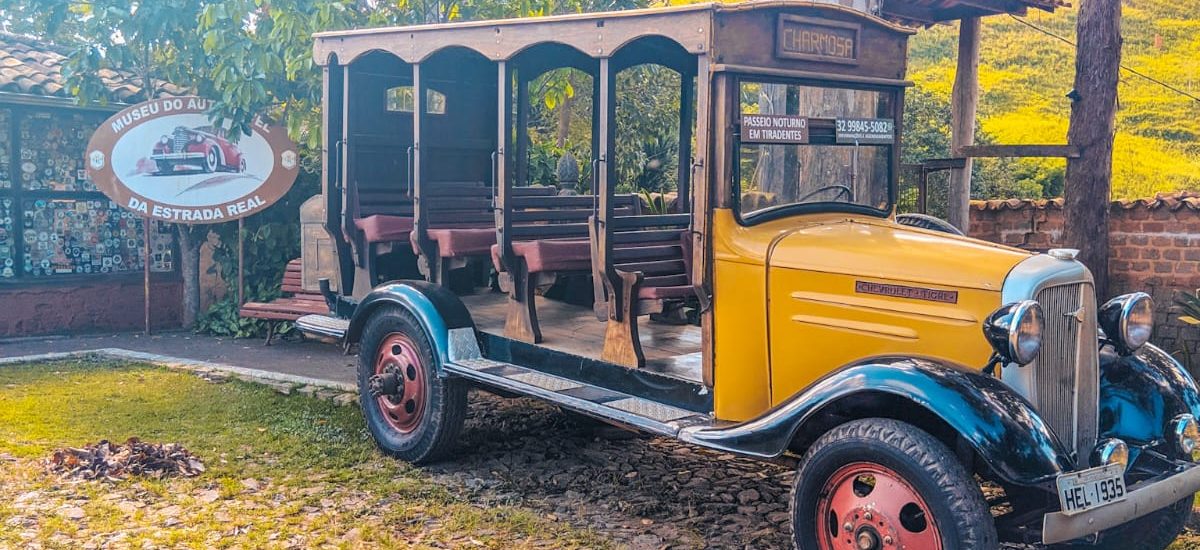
112 304
1155 249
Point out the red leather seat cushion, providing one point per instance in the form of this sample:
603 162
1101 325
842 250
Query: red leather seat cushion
565 255
665 292
550 255
382 228
455 243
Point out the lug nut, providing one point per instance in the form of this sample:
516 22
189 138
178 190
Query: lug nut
867 516
848 527
887 539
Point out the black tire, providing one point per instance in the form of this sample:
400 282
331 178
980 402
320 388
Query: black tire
445 402
1153 531
927 222
164 168
953 497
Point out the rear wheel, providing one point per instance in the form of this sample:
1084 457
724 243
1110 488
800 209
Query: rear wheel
877 484
412 413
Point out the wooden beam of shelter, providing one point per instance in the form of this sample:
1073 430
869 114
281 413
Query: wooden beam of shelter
1017 151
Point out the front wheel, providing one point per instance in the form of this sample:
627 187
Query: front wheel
882 484
412 413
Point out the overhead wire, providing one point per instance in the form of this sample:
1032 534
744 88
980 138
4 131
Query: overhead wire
1131 70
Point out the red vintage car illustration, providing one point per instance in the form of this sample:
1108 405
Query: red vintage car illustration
196 149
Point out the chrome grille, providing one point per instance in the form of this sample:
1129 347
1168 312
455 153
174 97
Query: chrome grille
1065 377
179 141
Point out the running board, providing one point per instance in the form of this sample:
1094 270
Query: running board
323 327
621 408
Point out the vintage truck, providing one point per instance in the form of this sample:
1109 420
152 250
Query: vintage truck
776 309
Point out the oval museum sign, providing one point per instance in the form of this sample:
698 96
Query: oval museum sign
164 159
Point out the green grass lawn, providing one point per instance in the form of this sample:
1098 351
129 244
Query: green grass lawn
282 471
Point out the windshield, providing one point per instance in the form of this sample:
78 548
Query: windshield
803 144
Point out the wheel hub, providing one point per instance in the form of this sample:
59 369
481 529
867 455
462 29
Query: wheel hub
388 384
398 384
867 506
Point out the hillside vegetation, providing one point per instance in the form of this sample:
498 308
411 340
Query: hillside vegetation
1025 76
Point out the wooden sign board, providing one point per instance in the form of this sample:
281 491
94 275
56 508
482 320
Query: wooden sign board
774 129
817 40
164 159
865 131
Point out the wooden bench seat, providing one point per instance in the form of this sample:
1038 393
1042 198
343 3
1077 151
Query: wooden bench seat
646 269
382 223
456 222
296 303
544 237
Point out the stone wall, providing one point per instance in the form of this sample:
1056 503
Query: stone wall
1155 249
108 304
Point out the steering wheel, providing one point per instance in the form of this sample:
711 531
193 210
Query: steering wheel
841 190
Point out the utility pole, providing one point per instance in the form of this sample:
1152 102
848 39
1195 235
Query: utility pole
964 99
1088 189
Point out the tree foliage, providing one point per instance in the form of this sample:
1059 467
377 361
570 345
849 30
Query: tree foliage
254 57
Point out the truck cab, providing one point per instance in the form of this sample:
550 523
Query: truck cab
773 307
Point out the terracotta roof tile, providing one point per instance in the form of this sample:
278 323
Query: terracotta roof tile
1170 201
29 66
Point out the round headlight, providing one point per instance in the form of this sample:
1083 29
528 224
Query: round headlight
1110 451
197 138
164 140
1128 321
1015 331
1187 433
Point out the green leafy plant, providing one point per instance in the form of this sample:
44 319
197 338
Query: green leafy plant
1188 304
654 203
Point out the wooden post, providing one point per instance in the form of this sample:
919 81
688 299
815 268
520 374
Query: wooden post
1088 187
963 100
241 261
146 271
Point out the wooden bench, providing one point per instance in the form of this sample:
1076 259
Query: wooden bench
542 237
383 219
454 222
296 303
646 266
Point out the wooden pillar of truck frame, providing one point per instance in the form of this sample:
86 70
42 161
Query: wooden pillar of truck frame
428 260
702 192
620 332
964 98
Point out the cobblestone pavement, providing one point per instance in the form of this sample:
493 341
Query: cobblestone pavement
644 492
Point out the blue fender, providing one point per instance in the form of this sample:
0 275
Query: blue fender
1000 425
437 309
1140 393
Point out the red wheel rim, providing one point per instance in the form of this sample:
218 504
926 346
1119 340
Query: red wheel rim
403 410
867 506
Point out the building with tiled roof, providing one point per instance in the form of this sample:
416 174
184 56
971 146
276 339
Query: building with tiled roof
34 68
71 260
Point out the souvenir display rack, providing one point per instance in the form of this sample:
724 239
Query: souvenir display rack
54 224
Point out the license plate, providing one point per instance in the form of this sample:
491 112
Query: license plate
1087 489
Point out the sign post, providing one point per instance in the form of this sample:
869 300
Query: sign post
165 160
146 269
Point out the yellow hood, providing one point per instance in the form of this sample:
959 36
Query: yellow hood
886 250
858 289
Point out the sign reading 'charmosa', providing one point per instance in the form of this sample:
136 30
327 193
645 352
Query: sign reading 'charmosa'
164 159
816 40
